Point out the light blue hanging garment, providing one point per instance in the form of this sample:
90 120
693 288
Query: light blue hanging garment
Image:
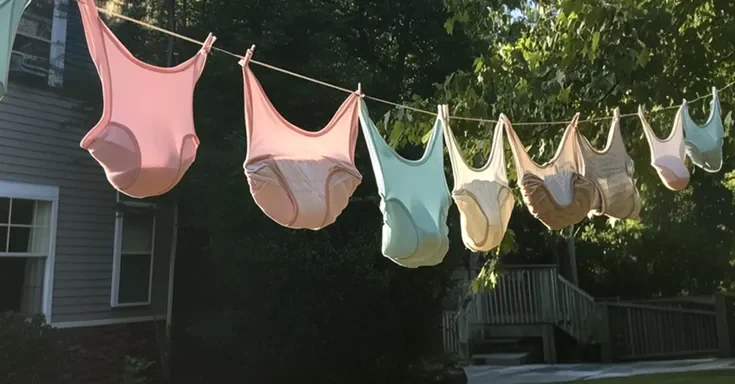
414 197
703 144
10 14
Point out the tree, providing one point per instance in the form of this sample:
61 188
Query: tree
545 60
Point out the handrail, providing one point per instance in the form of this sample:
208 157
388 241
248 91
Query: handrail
528 266
577 310
703 299
661 308
576 288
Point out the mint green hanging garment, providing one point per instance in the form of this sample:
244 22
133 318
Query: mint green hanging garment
414 197
10 13
703 144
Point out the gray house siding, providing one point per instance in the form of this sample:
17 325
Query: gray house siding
39 143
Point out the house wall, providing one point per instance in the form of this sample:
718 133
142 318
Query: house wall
40 130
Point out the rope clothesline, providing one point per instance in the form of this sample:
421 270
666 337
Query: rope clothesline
323 83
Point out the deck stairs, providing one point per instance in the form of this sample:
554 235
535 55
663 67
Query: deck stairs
521 319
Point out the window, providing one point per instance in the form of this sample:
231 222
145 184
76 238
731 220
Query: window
135 228
26 244
40 42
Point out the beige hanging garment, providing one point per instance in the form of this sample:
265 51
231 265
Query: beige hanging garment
483 196
667 156
556 193
611 169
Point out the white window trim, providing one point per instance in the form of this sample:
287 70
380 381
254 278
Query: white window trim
57 54
117 257
16 190
57 44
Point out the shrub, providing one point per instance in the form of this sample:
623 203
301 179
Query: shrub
30 350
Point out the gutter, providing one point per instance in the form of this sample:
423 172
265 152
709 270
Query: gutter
172 266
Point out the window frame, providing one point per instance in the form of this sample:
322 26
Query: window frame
57 43
118 255
50 193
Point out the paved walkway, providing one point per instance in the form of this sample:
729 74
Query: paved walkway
547 373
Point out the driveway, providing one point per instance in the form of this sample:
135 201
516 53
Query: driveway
547 373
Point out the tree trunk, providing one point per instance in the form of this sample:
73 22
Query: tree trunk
572 253
171 10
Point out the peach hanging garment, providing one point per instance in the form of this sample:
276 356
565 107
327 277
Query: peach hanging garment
483 196
145 140
556 192
300 179
667 155
611 169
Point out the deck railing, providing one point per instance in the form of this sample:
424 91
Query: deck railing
537 294
635 331
450 332
577 311
522 295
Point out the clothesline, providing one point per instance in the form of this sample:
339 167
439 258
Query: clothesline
316 81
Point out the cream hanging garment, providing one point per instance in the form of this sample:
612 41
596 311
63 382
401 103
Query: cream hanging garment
611 169
482 194
667 156
556 192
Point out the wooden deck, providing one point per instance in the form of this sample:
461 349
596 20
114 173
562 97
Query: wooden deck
533 300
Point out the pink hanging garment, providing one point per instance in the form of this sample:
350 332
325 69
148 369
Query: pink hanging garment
300 179
145 140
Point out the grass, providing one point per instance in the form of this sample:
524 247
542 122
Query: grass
726 376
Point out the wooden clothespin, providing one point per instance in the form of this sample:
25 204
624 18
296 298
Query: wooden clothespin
248 55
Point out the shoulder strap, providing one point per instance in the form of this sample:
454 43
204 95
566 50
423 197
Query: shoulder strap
455 154
714 121
373 139
567 150
520 156
204 52
716 113
435 146
497 153
343 130
614 137
648 131
715 116
93 33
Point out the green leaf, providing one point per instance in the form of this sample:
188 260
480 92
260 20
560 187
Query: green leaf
563 96
475 286
560 77
644 56
728 119
395 134
449 26
595 40
425 137
386 120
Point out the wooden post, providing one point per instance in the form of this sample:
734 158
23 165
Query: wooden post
549 341
604 332
725 307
